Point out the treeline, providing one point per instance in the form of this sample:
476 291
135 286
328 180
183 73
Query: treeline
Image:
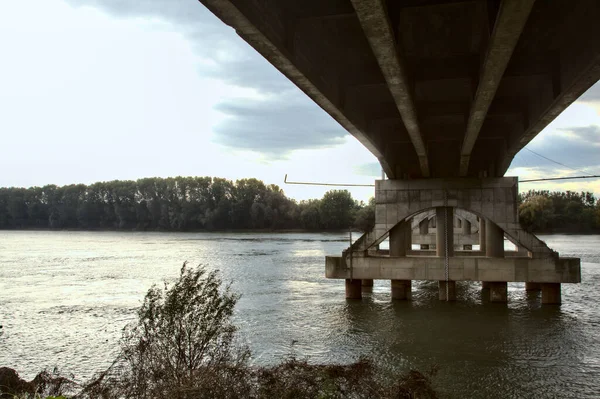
177 204
569 212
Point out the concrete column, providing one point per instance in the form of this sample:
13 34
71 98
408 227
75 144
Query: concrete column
401 290
498 291
533 287
353 289
494 240
433 222
466 227
424 227
451 290
444 215
482 234
367 284
485 285
551 293
400 239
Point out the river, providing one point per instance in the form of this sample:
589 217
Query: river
65 297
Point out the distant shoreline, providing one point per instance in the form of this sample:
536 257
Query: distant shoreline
183 231
257 231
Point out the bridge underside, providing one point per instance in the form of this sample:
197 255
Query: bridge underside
444 93
433 88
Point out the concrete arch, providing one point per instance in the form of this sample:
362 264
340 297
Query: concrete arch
491 199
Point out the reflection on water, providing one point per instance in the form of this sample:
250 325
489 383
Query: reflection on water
65 296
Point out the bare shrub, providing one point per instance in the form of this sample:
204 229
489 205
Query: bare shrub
182 339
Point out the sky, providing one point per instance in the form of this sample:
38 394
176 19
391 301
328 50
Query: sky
98 90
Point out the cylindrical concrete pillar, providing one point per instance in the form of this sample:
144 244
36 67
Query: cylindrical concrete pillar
466 227
451 290
482 234
444 230
494 240
353 289
400 238
401 289
551 293
424 227
498 291
533 287
367 284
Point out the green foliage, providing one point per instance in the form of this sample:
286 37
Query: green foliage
337 210
177 204
365 217
560 211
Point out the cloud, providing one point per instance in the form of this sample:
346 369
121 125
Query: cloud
276 125
577 147
283 119
371 169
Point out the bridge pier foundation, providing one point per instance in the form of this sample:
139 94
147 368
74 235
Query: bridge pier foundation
498 291
402 289
451 290
353 289
551 293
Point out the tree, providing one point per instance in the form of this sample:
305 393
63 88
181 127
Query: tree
536 212
337 209
365 217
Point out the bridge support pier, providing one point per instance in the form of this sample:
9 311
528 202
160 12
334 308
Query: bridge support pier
451 290
353 289
533 287
498 291
551 293
444 231
399 208
482 234
402 290
494 240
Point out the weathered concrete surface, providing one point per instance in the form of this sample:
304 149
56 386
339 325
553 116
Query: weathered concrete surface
353 288
444 216
492 199
563 270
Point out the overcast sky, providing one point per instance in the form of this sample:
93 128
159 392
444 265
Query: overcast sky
96 90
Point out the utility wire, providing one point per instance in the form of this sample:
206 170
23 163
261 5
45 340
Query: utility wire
556 162
372 185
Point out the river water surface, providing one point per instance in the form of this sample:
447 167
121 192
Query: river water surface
65 297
